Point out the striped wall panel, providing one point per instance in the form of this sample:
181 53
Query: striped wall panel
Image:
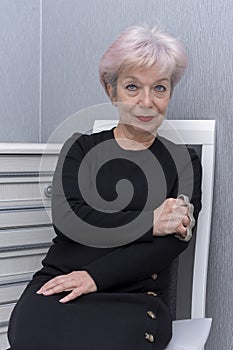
26 172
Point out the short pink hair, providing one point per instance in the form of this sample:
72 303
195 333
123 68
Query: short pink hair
141 46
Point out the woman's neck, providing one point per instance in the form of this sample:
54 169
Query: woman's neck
132 138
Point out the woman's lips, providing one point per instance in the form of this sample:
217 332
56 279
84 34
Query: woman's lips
144 118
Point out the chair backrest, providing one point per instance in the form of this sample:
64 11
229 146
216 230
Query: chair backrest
196 133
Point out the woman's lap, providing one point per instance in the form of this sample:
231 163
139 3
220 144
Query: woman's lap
94 321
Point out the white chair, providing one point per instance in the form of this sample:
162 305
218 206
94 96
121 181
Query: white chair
192 334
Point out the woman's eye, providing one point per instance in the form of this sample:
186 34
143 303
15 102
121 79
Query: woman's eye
160 88
131 87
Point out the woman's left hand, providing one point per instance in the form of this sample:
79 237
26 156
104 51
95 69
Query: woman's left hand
78 282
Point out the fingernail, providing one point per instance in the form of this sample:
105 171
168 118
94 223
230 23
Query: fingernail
39 292
61 300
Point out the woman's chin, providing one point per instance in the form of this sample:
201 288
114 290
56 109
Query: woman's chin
144 125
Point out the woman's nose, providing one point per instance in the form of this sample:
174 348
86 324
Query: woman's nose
146 100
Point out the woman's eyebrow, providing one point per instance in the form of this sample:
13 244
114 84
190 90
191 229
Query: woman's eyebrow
130 77
162 79
156 81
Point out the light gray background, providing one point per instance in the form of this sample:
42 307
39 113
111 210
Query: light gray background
49 52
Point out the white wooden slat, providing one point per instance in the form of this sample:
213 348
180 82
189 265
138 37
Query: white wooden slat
23 191
23 204
3 329
194 132
5 312
37 250
22 261
26 178
26 236
203 235
102 124
27 163
11 293
19 218
16 278
29 148
3 338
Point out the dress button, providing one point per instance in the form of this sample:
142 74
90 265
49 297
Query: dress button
152 293
151 314
149 337
154 276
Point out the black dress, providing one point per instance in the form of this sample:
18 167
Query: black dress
128 311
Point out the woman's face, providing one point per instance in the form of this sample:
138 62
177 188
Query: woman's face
142 97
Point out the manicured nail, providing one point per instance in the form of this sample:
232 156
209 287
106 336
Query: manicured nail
46 292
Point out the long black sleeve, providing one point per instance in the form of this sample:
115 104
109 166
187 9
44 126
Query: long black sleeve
135 262
73 215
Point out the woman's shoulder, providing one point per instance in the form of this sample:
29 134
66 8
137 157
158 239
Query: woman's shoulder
182 153
85 142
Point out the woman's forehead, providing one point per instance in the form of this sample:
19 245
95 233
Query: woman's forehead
141 73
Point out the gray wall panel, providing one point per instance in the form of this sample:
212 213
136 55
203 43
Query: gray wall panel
19 70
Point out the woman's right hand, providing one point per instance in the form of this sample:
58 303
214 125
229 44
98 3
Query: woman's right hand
171 217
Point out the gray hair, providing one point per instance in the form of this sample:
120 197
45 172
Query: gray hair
141 46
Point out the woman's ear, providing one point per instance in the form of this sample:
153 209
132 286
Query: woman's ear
110 94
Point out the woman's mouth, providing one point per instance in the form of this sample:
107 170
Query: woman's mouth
144 119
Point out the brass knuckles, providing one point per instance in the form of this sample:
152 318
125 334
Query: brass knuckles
191 217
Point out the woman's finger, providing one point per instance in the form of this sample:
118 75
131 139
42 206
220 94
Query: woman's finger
180 202
73 295
190 214
64 284
52 283
59 288
186 221
76 280
181 209
182 230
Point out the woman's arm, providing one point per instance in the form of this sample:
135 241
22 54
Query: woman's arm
136 262
71 212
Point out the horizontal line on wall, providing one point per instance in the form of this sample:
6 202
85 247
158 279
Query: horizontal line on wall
25 173
12 228
24 247
21 227
3 285
3 325
23 208
13 301
25 203
10 280
27 180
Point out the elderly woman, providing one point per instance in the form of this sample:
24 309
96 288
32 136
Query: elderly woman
119 213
